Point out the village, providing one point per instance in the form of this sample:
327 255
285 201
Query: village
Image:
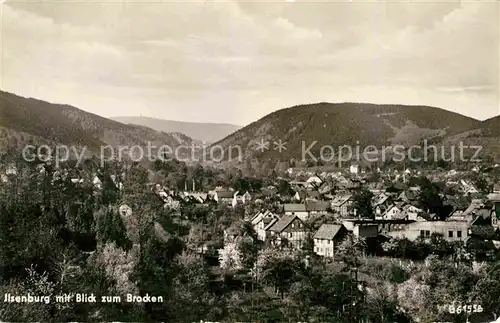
328 200
243 228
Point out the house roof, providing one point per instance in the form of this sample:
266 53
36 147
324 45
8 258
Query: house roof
224 194
494 197
328 231
256 218
295 207
317 206
381 199
340 200
271 223
283 223
474 207
313 194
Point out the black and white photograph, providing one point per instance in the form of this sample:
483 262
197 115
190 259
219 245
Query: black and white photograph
329 161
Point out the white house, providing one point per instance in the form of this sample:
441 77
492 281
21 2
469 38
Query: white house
314 180
394 212
327 239
354 169
260 221
239 198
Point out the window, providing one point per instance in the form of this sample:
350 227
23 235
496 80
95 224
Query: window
290 234
459 234
450 234
293 225
427 233
422 233
329 241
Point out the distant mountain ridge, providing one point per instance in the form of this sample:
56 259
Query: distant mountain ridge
26 119
203 132
338 124
486 134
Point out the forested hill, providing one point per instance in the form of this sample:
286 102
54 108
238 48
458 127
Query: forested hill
27 119
340 124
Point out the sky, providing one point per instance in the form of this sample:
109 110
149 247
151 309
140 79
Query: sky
237 61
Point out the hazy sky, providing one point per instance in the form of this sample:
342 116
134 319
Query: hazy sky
236 61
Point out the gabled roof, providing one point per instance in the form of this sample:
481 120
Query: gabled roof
256 218
381 199
294 207
270 224
474 207
283 223
328 231
340 200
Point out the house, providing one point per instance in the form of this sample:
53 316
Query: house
382 199
299 196
327 239
325 188
224 197
317 207
342 204
393 212
354 169
412 212
468 188
296 209
289 228
382 202
261 221
362 228
241 198
199 197
409 196
312 195
299 185
314 180
450 230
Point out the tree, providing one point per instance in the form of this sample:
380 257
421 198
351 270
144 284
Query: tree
230 257
363 203
277 268
284 187
352 250
429 197
110 228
